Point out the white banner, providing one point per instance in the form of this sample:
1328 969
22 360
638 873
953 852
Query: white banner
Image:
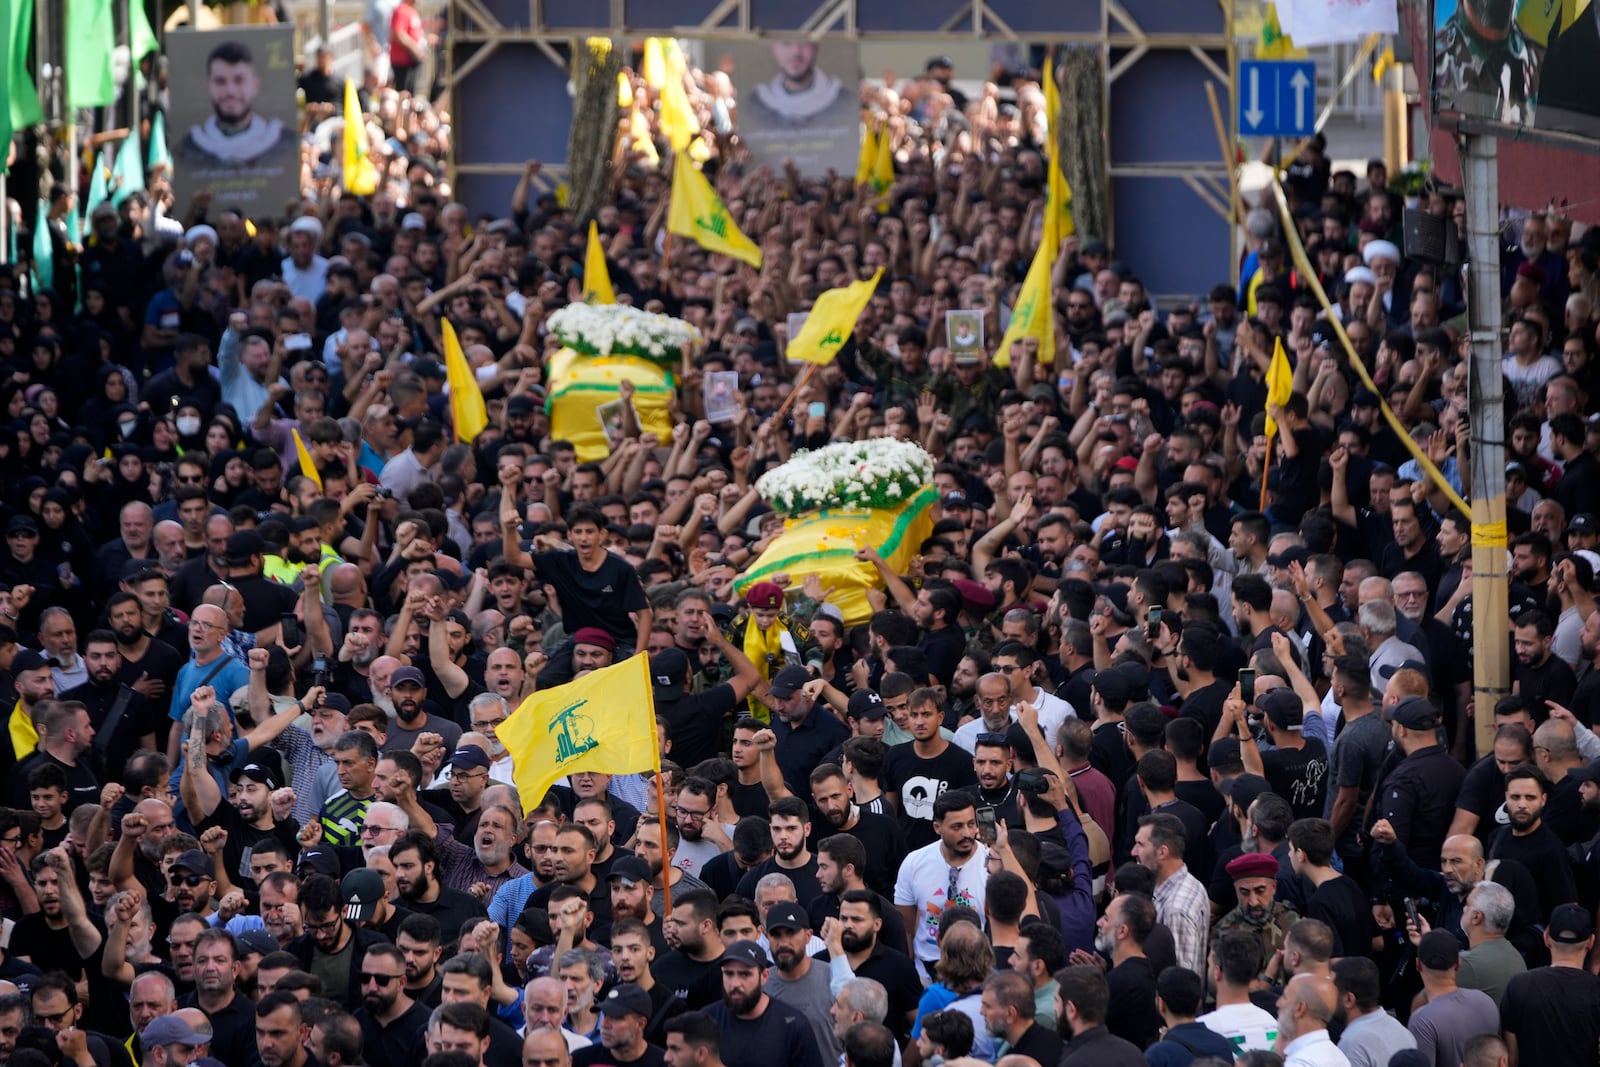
1316 22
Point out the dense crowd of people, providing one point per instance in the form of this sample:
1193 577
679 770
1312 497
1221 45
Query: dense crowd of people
1160 751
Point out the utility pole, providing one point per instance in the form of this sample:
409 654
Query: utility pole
1491 658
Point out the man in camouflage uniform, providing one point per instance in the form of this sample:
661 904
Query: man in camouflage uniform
1481 50
1260 913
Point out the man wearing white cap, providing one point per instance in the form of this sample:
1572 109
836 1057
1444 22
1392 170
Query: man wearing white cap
304 271
1383 259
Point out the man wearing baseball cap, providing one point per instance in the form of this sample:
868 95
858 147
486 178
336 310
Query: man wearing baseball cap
624 1014
800 981
408 690
805 732
250 819
758 1031
695 719
1419 795
1548 1012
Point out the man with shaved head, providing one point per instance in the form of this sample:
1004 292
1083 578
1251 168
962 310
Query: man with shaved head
1307 1004
208 665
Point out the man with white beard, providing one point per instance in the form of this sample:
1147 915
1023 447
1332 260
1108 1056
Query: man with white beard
486 712
488 864
379 675
1451 673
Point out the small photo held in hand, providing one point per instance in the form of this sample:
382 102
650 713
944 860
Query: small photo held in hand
964 331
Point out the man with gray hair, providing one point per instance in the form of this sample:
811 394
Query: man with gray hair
1389 653
1491 961
859 1000
1308 1002
485 715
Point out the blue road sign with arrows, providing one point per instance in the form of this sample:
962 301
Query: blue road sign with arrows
1277 98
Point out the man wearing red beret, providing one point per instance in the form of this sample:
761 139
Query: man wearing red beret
1259 912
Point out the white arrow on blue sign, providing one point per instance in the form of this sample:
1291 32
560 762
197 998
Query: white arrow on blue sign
1277 98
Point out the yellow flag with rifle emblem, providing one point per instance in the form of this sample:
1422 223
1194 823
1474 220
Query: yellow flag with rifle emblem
697 212
831 321
604 722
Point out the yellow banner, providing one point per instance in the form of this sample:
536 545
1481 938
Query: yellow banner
603 722
831 321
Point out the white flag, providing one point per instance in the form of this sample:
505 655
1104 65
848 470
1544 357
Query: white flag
1315 22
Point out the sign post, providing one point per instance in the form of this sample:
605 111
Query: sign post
1277 98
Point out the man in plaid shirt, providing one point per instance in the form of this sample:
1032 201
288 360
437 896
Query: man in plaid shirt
1181 901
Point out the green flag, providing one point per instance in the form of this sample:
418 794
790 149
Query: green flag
44 256
91 37
140 34
127 174
157 154
97 185
25 110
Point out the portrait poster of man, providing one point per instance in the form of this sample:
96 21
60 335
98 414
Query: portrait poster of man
964 332
233 122
1528 64
798 100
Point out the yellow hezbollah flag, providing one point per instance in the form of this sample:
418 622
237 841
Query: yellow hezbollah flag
697 212
1280 383
864 160
360 176
831 321
603 722
1033 315
1058 222
1275 44
596 275
467 412
308 466
883 169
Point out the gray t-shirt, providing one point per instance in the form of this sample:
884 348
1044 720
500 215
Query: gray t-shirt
1355 761
1371 1040
811 998
1443 1026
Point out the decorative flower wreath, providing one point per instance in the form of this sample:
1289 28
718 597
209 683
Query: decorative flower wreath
879 473
619 330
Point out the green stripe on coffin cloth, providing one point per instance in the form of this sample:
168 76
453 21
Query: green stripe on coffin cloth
824 543
580 385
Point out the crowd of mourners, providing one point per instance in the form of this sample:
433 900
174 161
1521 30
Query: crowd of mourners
1140 760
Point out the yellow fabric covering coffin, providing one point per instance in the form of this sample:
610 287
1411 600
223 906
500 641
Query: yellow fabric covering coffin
580 384
824 543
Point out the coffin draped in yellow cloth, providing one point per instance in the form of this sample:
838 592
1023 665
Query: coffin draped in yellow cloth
580 385
824 543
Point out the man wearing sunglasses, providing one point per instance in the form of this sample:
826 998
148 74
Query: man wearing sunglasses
392 1024
333 920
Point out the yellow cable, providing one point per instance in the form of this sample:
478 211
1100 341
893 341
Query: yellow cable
1489 534
1292 237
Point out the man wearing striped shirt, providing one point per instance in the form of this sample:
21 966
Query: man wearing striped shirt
1181 901
355 760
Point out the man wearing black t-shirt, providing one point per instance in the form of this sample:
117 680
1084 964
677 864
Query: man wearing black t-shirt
922 768
758 1031
1530 842
1548 1013
593 587
623 1016
1300 449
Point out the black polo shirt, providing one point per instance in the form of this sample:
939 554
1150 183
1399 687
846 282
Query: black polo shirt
1419 800
802 745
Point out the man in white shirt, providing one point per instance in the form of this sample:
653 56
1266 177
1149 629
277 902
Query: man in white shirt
1236 960
1020 664
1303 1013
953 870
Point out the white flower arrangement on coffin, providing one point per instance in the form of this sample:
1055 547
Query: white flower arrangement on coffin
878 473
620 330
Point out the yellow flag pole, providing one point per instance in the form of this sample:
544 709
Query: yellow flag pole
661 814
